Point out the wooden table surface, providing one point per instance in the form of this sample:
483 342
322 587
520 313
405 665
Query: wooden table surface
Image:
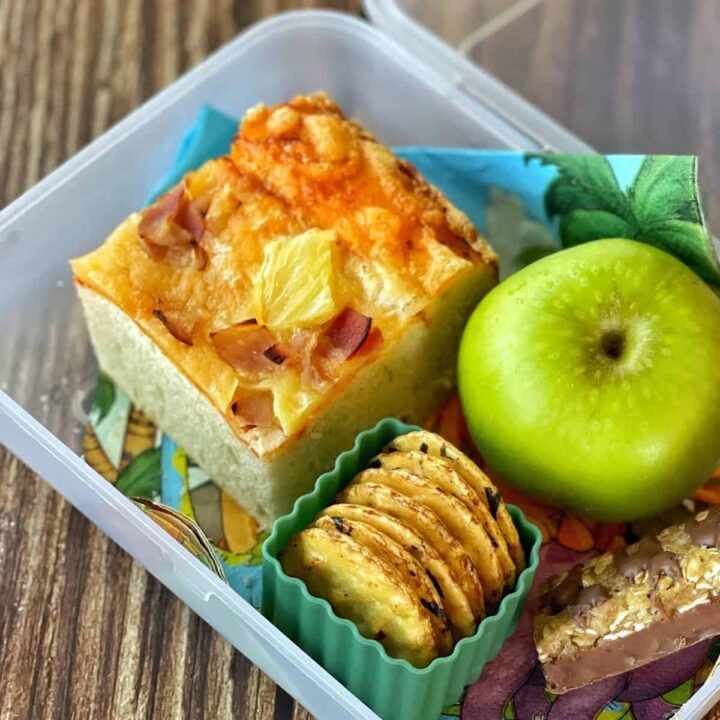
84 631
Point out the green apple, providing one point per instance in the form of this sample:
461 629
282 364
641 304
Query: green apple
591 379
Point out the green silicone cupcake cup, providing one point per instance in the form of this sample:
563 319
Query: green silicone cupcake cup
393 688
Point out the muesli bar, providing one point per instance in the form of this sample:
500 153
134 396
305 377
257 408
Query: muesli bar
623 610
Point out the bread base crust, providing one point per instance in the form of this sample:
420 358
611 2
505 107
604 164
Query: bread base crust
409 380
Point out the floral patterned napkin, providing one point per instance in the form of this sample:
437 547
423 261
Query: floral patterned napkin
527 206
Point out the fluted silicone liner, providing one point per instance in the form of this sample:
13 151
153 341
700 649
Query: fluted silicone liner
393 688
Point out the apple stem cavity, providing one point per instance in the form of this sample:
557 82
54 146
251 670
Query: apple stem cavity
612 344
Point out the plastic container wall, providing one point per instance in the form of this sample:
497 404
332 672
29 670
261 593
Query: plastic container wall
445 34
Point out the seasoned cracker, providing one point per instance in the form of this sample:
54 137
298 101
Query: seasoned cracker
365 589
429 526
442 474
455 602
411 570
437 446
456 516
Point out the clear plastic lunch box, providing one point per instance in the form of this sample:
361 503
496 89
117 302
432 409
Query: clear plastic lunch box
418 92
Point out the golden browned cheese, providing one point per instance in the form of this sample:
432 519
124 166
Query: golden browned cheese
269 277
334 174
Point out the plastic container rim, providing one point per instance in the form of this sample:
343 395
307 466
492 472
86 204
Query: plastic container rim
212 585
257 32
483 87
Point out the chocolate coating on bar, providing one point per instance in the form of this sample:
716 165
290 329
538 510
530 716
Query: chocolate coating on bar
652 599
628 566
664 563
571 592
705 532
591 597
627 653
649 556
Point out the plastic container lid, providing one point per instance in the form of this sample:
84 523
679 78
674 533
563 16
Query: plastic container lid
429 30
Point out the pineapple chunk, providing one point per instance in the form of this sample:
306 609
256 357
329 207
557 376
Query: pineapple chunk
297 285
292 402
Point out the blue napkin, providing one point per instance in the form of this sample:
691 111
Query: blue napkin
210 136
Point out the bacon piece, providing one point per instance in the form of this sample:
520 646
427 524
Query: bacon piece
201 256
173 322
190 218
349 330
374 340
349 334
254 407
299 351
324 361
175 221
158 225
243 346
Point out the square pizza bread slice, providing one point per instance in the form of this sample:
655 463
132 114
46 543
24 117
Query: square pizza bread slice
281 299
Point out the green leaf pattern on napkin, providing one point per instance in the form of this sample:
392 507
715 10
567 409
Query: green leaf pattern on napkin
104 397
518 239
143 476
661 207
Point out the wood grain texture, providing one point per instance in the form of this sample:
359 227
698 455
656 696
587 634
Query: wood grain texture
84 631
626 76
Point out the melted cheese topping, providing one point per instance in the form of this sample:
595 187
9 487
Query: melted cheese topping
308 216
